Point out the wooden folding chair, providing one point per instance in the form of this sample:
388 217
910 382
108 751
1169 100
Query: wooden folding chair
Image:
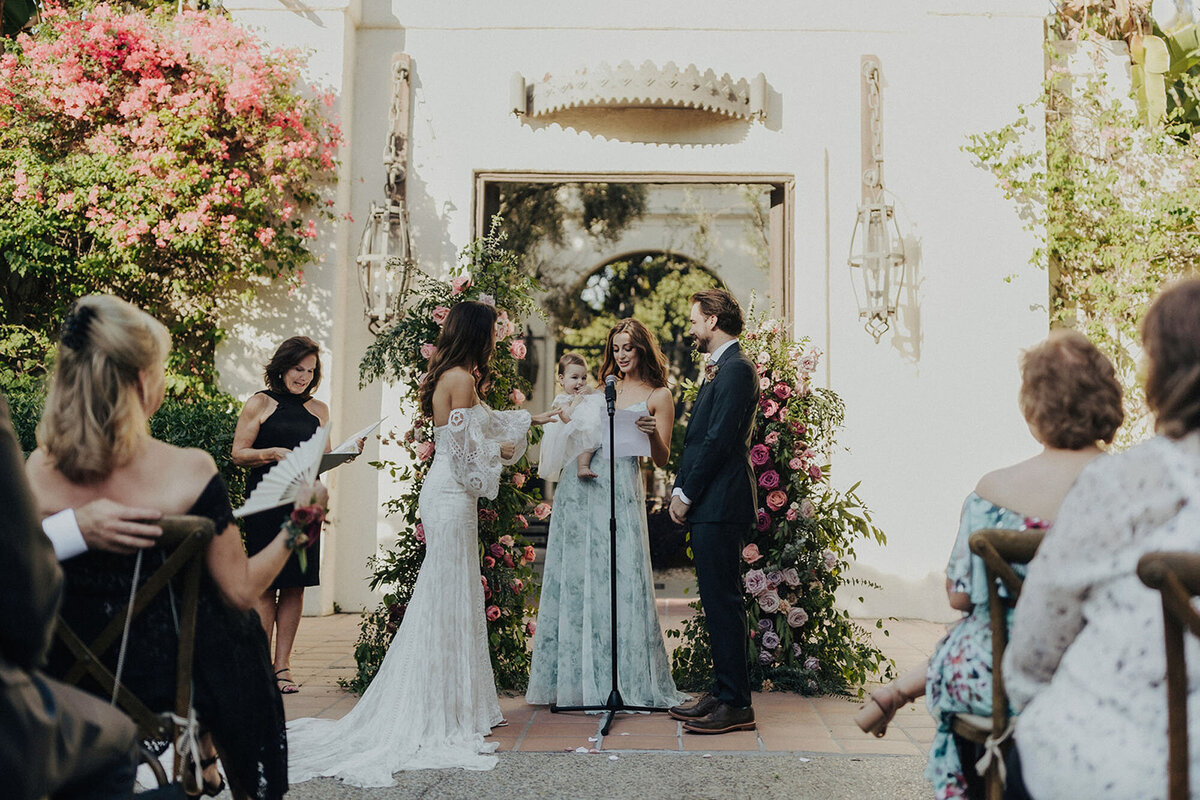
999 549
1176 576
186 539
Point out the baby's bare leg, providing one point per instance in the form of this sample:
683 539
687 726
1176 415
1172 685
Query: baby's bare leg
583 465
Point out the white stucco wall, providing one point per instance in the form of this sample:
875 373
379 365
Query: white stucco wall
929 409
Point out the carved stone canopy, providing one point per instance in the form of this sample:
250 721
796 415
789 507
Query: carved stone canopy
647 86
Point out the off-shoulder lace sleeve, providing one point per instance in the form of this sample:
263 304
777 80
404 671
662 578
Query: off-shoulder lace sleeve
473 456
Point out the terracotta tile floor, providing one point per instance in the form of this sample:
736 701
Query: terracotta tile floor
786 723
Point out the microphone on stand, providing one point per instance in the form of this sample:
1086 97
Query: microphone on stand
610 393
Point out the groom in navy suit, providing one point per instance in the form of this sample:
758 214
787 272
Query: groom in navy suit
715 493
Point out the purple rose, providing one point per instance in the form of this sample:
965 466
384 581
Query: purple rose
814 472
755 580
768 601
774 578
765 624
765 657
796 651
769 479
770 640
797 617
759 455
811 663
764 520
791 577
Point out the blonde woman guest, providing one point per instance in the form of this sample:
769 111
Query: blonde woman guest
272 423
1085 664
94 442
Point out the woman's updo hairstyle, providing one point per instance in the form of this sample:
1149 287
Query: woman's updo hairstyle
94 414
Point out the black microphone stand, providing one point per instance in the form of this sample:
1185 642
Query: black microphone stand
615 702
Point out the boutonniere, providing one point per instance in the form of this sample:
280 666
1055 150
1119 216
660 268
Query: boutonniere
710 371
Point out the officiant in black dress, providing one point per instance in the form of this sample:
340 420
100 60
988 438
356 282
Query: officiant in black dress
272 423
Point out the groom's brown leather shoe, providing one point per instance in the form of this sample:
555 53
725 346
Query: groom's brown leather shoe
701 708
723 719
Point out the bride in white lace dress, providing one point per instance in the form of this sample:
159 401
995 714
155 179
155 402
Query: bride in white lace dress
434 699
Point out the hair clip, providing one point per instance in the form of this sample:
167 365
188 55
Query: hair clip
75 326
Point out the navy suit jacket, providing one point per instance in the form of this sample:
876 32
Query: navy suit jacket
715 472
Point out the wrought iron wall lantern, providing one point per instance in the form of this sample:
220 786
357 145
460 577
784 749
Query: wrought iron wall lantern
386 266
876 260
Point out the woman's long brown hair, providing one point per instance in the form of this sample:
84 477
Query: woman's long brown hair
652 366
466 341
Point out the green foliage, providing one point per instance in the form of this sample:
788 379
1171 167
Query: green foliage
163 158
533 213
795 559
204 421
490 273
1115 207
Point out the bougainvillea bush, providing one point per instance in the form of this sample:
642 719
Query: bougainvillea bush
491 274
164 158
795 558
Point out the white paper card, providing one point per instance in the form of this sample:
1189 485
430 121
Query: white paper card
351 444
627 439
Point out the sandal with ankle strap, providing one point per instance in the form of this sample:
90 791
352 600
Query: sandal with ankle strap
206 789
879 710
286 685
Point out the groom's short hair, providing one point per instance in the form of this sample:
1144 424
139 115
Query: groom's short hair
720 304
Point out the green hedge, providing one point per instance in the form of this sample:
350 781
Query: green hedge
206 422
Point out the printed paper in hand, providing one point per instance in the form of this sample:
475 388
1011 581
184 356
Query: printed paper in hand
278 487
347 450
627 439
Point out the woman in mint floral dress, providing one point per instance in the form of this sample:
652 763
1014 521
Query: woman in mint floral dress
1071 401
572 655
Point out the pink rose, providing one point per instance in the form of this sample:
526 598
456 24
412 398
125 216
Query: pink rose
508 561
768 601
420 534
427 350
759 455
776 500
797 617
795 463
517 348
791 514
755 580
771 438
769 479
504 326
487 593
459 284
542 510
524 523
750 553
531 627
814 472
496 549
487 300
808 362
830 559
439 314
783 391
489 562
806 509
764 383
483 580
424 450
530 555
507 540
770 408
517 584
516 396
764 521
791 577
518 479
493 613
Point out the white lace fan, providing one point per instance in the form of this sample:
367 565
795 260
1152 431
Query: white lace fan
278 487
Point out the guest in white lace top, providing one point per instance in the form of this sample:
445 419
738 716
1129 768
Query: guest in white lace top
1086 664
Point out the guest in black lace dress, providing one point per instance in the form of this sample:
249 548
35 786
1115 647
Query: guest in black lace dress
272 423
94 442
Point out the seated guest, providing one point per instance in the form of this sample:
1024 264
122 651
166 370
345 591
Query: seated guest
1086 665
55 740
1071 402
94 442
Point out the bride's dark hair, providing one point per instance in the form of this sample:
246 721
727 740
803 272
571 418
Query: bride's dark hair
466 341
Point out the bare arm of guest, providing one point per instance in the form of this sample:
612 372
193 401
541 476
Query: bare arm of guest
254 413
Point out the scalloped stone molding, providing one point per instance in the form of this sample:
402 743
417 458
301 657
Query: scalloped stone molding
647 86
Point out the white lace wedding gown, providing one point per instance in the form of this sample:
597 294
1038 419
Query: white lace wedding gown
434 698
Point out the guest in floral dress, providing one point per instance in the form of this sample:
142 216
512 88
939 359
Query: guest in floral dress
1072 402
1086 663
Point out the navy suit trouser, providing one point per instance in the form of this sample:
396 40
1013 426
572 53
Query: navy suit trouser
716 549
